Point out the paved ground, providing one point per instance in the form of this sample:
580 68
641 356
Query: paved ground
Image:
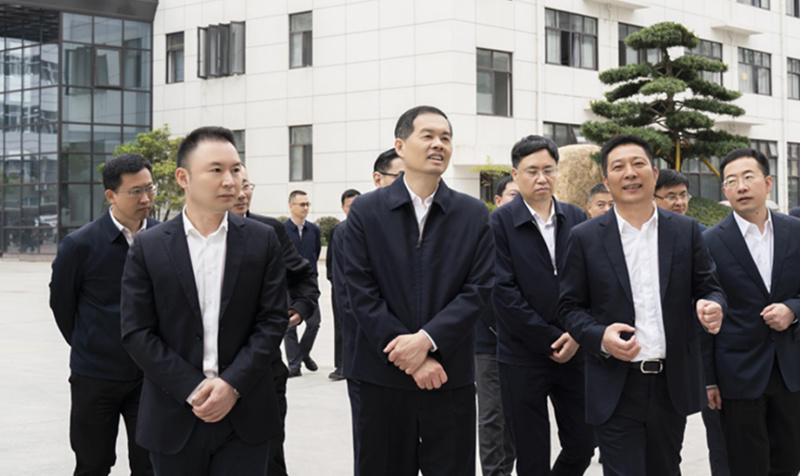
34 400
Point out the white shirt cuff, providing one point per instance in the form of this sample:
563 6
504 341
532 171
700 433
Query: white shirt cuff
194 392
435 347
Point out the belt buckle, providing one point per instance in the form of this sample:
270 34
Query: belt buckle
646 371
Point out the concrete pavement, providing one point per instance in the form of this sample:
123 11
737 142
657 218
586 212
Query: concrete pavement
34 366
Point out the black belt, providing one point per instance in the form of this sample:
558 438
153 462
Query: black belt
651 366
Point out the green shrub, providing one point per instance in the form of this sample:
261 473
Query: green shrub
707 211
325 225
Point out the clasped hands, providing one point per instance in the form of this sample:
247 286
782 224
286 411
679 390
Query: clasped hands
409 353
213 399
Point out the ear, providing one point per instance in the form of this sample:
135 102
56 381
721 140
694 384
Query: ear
497 199
182 177
769 183
655 174
514 174
398 147
111 197
605 182
376 179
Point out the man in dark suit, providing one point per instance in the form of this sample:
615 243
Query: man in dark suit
537 357
753 364
203 313
347 198
84 296
631 283
308 241
416 297
795 212
303 294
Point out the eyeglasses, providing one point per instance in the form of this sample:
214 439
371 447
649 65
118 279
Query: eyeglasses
138 192
302 204
674 197
248 186
388 174
547 172
746 180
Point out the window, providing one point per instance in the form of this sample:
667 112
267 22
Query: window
711 50
300 153
489 182
770 149
300 51
793 68
563 134
702 181
238 138
756 3
175 58
220 50
793 8
571 39
494 83
107 67
628 55
793 166
755 72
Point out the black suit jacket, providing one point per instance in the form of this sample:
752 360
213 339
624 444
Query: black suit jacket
399 282
84 297
596 292
739 359
526 294
162 329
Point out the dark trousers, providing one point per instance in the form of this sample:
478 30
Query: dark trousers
525 389
276 466
94 422
297 351
213 449
337 332
717 456
644 435
763 435
402 432
495 446
354 392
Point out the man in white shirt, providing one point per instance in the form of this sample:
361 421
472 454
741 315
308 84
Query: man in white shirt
753 365
203 313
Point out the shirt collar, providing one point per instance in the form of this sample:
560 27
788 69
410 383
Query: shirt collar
745 226
188 226
622 223
538 217
415 199
122 228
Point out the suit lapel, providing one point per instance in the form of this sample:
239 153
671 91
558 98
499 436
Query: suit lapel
234 255
178 252
666 246
613 246
732 237
781 240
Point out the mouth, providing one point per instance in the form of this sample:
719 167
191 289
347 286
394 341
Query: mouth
744 200
542 189
240 206
227 196
632 188
436 158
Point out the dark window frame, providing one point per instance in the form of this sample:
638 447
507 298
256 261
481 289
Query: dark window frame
767 147
793 8
742 53
495 74
764 4
793 173
172 51
308 155
642 56
571 35
220 62
793 77
572 132
708 75
306 37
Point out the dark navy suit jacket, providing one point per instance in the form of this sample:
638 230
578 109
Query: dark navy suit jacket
399 282
84 296
596 292
740 358
795 212
526 293
310 245
162 329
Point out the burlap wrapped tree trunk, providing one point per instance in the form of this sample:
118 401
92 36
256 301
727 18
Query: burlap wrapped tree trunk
577 173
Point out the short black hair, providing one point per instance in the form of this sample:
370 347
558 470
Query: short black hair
191 141
532 144
670 178
598 188
296 193
114 169
384 161
622 139
405 124
763 162
349 193
502 184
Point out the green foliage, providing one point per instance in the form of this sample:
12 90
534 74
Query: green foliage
666 103
325 225
707 211
491 206
157 147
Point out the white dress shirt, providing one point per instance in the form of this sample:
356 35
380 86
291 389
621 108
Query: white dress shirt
124 229
208 264
546 228
641 257
761 246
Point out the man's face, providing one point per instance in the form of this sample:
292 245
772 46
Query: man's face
384 179
131 201
511 191
346 205
745 186
299 207
631 177
428 148
212 176
245 196
536 176
674 199
601 203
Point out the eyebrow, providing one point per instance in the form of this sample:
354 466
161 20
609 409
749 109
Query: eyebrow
433 131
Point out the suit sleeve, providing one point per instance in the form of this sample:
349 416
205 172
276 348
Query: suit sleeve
456 321
510 306
574 302
329 256
65 286
301 279
318 243
705 284
139 323
339 287
269 326
368 306
708 342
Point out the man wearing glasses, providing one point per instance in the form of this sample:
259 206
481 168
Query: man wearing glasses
387 168
307 239
85 298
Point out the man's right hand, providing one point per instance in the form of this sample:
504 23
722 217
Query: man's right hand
430 375
294 318
714 398
618 347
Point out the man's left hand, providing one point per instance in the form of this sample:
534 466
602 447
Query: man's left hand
778 316
709 313
294 318
564 349
218 398
408 351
